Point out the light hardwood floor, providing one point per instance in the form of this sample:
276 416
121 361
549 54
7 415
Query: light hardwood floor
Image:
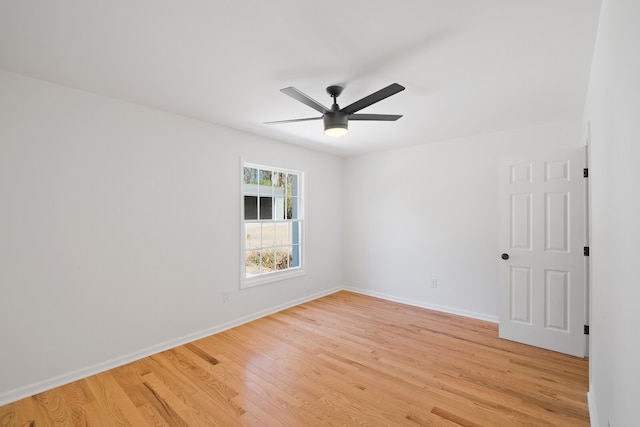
343 360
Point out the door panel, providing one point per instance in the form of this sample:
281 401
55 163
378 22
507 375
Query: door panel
521 295
557 222
542 283
521 226
556 302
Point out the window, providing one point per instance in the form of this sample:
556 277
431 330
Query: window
271 224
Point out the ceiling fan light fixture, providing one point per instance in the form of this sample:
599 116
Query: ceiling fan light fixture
335 124
336 131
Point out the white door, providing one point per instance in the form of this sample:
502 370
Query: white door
542 280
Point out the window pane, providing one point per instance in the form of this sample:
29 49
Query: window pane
292 208
252 263
254 235
280 211
292 185
250 207
268 260
283 233
279 180
250 181
295 256
268 234
283 257
250 176
266 207
265 178
295 232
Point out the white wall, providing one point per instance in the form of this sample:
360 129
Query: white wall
431 212
119 231
613 110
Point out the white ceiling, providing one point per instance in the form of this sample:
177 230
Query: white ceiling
469 66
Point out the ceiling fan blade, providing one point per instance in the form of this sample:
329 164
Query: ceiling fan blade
292 120
392 89
376 117
305 99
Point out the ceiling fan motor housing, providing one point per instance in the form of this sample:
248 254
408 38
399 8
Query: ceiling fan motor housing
335 119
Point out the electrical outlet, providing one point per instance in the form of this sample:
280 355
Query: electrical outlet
434 283
225 296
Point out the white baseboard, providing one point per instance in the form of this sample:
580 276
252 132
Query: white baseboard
593 411
57 381
422 304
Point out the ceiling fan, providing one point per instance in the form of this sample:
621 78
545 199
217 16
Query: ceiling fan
335 118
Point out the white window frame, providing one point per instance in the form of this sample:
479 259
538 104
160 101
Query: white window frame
270 277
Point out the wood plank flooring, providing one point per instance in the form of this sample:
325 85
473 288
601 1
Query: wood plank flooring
342 360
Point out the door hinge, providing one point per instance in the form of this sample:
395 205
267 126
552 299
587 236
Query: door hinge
586 251
585 173
586 329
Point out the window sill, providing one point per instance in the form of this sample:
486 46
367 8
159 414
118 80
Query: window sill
250 282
